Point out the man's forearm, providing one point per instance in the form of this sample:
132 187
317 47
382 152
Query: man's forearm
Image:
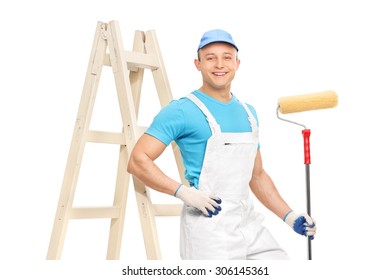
264 189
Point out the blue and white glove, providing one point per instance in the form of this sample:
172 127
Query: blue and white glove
206 202
302 224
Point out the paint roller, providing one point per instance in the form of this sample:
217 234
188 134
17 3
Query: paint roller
301 103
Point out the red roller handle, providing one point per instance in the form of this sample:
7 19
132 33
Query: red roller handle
306 142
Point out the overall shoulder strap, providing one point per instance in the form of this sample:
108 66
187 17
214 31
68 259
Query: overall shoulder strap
251 118
214 126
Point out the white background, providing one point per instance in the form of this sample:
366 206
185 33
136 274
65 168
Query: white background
286 48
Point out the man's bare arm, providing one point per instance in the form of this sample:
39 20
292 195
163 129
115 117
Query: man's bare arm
264 189
141 164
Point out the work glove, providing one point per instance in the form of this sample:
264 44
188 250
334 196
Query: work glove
302 224
206 202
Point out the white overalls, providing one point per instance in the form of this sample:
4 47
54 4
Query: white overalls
237 231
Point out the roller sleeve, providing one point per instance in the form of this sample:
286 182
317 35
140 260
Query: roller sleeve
307 102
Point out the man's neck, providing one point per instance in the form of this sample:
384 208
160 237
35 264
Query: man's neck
222 95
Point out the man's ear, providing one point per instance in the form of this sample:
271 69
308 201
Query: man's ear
197 64
238 63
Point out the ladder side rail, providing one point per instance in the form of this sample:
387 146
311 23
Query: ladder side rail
131 131
77 145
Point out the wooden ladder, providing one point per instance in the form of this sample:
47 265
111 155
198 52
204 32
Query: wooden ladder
128 69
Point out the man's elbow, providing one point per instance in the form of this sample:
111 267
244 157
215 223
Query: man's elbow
132 165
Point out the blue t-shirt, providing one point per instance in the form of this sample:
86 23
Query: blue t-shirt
183 122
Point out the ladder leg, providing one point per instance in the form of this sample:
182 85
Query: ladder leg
147 219
129 118
120 199
77 146
145 208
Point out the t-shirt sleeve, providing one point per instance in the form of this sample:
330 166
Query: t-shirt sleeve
168 124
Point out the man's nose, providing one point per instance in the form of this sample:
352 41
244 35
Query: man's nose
219 63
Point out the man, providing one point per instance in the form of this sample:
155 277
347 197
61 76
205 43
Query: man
218 140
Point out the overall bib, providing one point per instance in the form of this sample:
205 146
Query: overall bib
237 231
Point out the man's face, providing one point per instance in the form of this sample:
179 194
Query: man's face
218 64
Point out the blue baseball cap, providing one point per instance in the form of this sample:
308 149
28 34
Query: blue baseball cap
214 36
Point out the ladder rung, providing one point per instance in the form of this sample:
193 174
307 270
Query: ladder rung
136 60
106 137
94 212
167 209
